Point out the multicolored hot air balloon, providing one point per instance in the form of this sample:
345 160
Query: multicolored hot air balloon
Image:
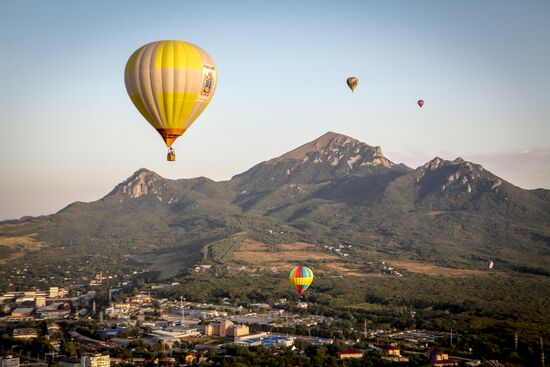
352 83
300 277
170 83
490 264
420 102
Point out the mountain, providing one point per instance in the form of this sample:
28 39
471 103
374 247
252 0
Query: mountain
333 189
331 156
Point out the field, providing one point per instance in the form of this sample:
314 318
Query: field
220 251
285 255
12 248
432 269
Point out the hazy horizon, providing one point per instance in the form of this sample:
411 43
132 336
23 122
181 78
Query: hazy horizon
70 133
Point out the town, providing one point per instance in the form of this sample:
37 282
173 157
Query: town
101 325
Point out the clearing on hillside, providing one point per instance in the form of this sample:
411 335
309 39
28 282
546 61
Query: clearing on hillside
12 248
432 269
286 255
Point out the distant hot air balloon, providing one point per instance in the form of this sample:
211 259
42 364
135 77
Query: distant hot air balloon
170 83
420 102
352 83
490 264
300 277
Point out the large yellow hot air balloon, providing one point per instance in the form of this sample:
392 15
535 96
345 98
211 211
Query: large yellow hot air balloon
170 83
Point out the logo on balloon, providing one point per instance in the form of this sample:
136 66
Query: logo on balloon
208 80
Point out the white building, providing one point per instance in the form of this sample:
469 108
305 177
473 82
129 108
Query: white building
9 361
173 334
54 292
97 360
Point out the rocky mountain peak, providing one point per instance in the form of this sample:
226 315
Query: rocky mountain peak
329 157
328 141
458 174
141 183
434 164
338 150
144 173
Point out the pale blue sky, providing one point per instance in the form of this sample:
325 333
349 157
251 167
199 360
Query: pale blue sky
68 130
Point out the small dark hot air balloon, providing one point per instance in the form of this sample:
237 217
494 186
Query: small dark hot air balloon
420 102
352 83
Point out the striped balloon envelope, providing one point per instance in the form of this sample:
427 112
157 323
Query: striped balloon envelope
300 277
170 83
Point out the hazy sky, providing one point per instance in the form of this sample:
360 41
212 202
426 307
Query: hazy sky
68 130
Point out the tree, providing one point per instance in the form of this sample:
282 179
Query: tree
69 348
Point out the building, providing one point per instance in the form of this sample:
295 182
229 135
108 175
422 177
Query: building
54 292
391 352
438 359
53 329
240 330
351 353
24 333
21 313
268 341
110 332
139 299
258 306
218 328
226 328
69 362
169 336
203 314
96 360
122 307
40 301
25 298
53 311
9 361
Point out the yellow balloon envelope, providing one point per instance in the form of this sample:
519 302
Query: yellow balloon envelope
170 83
352 83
